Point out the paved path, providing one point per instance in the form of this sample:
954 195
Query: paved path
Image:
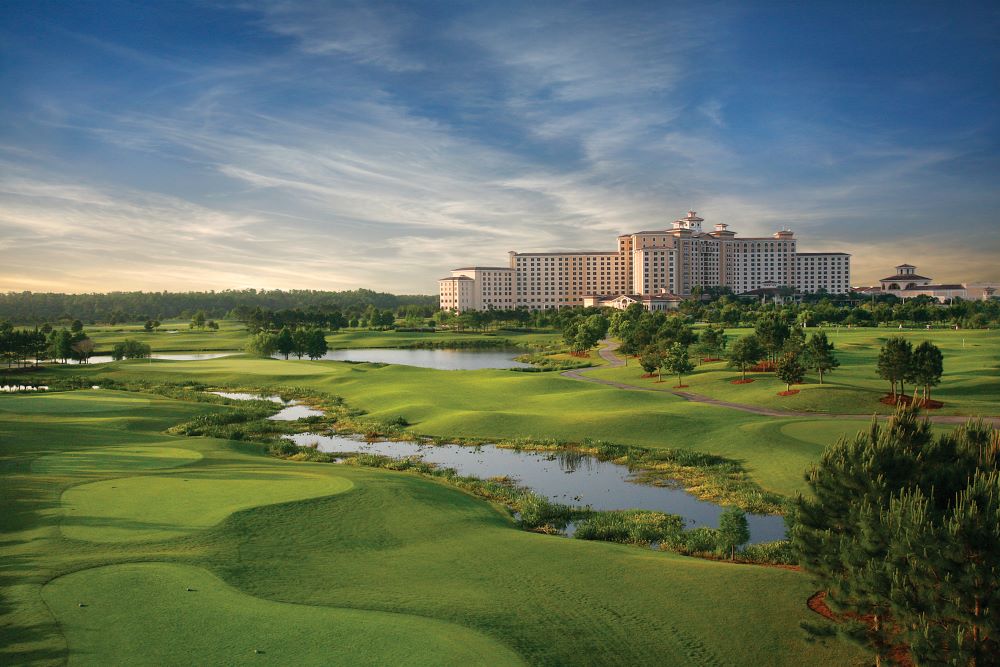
607 353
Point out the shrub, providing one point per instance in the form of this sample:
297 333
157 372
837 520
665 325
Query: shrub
631 527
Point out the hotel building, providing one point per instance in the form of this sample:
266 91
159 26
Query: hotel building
663 263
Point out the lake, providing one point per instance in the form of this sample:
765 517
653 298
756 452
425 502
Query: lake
564 477
292 411
193 356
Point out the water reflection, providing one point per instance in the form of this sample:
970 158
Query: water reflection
566 477
293 409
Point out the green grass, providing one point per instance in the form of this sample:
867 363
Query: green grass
230 336
494 404
970 386
177 336
394 569
179 504
124 601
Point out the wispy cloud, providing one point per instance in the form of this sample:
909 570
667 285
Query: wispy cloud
337 145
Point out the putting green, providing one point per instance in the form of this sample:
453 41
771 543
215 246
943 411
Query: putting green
161 507
144 614
114 459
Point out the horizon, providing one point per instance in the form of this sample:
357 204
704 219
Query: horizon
205 147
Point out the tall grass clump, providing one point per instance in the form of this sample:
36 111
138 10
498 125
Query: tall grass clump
630 527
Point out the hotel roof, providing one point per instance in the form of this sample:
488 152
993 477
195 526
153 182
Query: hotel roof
483 268
904 276
567 252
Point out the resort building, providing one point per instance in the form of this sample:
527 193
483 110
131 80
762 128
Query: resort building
656 268
906 283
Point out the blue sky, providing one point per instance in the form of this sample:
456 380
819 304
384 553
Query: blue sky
334 145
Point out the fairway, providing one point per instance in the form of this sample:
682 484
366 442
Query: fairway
114 459
157 613
496 404
161 507
314 563
970 385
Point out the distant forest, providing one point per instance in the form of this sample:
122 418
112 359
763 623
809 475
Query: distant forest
119 307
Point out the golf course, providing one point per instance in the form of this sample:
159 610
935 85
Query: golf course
122 543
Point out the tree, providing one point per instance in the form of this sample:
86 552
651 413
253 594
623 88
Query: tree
771 332
262 344
927 367
76 327
213 325
894 363
903 527
790 370
60 345
82 348
148 326
198 320
795 341
677 362
316 343
300 343
818 354
745 353
651 359
284 343
130 349
734 531
712 341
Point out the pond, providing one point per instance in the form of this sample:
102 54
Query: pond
192 356
565 477
445 360
292 411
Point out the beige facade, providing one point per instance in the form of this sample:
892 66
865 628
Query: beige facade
660 262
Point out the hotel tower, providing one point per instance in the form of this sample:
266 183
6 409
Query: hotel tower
651 266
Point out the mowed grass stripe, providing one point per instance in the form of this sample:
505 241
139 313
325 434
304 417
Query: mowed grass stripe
163 614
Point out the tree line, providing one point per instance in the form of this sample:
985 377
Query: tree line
121 307
305 342
31 347
882 310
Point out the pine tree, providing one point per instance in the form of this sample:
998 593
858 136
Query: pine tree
895 362
927 367
818 354
905 528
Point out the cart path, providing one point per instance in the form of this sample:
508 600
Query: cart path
607 352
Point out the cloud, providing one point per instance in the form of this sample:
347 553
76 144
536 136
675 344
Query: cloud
354 144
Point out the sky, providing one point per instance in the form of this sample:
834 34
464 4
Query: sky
335 145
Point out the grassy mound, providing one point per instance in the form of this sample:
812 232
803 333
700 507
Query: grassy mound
158 613
162 507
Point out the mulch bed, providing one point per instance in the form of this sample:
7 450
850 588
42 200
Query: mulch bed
790 392
763 367
680 386
900 654
706 360
899 399
747 381
648 375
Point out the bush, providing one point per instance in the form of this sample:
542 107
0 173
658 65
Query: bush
631 527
